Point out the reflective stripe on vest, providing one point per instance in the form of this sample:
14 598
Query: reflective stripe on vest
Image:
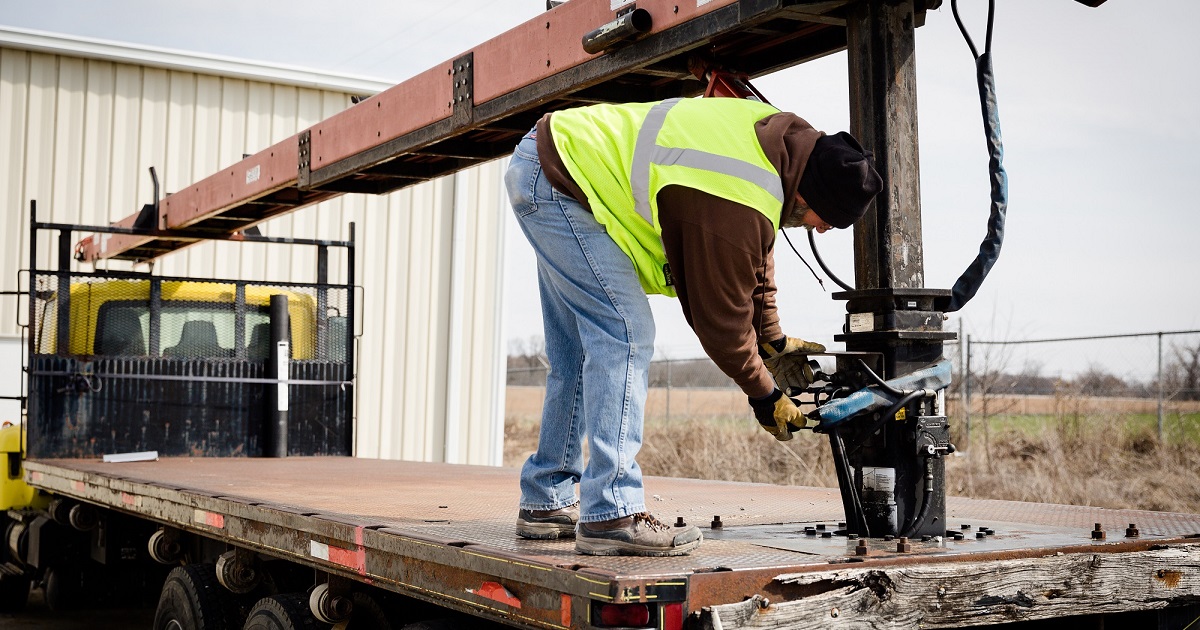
646 151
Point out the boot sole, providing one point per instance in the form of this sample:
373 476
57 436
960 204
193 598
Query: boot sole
544 531
605 547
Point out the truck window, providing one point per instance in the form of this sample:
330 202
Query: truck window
189 329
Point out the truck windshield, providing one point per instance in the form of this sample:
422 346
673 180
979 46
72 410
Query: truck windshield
186 330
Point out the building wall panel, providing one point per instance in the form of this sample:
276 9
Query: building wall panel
78 135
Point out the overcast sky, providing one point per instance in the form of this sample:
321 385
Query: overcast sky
1097 108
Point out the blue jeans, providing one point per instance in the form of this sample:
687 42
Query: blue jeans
599 341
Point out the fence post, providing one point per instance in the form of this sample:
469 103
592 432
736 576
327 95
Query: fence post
967 391
1160 388
669 390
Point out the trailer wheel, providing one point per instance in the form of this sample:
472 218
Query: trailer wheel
63 588
283 612
14 592
192 599
368 614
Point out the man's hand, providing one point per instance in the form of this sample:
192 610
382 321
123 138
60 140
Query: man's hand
787 361
778 415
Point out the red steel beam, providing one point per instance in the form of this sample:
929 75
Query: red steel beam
541 47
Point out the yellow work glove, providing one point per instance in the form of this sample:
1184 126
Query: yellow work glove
778 415
787 361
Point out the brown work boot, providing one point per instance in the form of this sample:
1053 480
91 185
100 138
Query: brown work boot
637 535
548 524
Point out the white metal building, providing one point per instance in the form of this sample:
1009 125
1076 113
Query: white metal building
82 120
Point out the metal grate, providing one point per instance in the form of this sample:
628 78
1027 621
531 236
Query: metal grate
128 362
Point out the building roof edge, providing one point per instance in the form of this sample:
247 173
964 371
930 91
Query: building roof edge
203 63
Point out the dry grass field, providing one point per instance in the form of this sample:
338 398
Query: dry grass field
1098 455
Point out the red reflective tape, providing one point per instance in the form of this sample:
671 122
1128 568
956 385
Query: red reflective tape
130 499
211 519
355 558
566 611
77 485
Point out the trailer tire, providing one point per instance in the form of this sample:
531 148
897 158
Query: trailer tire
192 599
62 588
14 592
283 612
368 614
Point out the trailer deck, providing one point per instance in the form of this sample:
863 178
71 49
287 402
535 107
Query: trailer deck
445 533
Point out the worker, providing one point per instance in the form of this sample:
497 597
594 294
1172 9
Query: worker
682 198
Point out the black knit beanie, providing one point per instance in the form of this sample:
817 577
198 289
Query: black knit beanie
839 180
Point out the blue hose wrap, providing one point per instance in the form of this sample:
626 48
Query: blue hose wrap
868 399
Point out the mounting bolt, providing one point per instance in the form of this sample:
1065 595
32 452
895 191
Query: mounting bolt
820 527
926 538
826 534
980 535
679 522
835 613
810 531
989 531
841 525
959 536
861 549
716 522
888 537
965 526
1132 531
1098 533
903 546
941 591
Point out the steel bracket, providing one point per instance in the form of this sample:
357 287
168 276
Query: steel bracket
304 161
462 73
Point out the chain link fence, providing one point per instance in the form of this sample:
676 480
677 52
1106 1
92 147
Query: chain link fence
1145 379
679 388
1148 379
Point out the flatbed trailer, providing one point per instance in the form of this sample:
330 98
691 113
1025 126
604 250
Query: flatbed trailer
328 530
773 556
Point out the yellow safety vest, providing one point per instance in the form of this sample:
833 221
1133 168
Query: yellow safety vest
621 156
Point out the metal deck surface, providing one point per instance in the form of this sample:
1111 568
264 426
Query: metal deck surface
763 525
445 533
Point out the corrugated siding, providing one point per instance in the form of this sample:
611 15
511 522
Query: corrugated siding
78 135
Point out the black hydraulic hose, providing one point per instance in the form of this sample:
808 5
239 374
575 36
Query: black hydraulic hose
812 244
891 412
926 499
810 269
841 463
878 379
989 250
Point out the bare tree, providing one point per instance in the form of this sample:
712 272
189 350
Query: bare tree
1182 376
527 361
1096 381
